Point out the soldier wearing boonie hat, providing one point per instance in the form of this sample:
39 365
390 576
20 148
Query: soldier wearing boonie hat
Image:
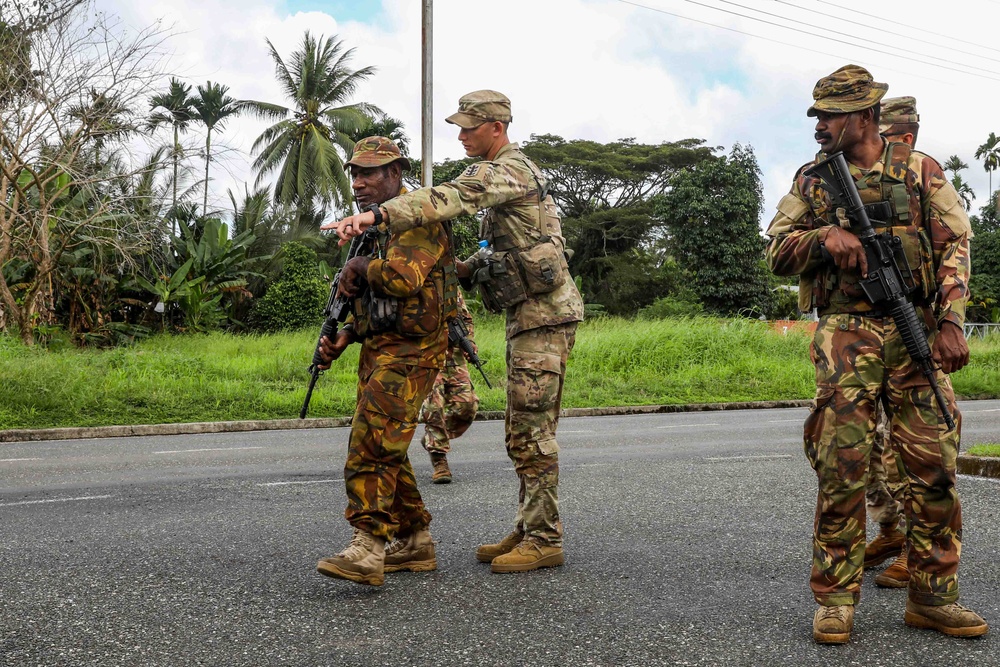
526 277
861 359
899 120
401 325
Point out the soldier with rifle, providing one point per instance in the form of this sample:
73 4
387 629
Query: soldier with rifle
880 242
399 287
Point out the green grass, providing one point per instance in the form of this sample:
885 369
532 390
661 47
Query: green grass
221 377
984 450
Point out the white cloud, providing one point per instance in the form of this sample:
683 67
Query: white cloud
605 69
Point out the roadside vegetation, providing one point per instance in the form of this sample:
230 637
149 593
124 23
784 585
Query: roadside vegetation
219 377
991 449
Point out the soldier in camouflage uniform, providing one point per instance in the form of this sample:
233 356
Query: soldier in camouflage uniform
527 277
887 489
860 357
400 356
451 406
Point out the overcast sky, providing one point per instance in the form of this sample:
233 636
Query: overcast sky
657 70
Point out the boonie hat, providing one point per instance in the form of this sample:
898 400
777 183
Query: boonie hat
376 152
481 107
850 88
897 110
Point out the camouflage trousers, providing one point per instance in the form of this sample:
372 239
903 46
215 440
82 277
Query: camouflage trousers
382 495
536 371
886 490
450 407
860 360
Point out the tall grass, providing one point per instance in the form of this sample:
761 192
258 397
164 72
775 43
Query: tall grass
220 377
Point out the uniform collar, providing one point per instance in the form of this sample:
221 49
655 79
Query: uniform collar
507 148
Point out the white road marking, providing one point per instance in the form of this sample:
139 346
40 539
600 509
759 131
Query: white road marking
207 449
312 481
13 460
971 412
53 500
782 421
686 425
748 458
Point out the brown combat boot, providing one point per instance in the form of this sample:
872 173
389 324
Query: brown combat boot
896 575
951 619
527 556
414 553
487 552
363 560
833 625
889 543
442 473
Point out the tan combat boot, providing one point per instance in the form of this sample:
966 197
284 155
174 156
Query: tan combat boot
833 625
951 619
442 473
414 553
487 552
527 556
362 561
896 575
889 543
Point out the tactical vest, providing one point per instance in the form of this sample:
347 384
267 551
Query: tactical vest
528 258
895 207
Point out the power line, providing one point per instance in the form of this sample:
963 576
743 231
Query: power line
912 27
777 41
898 34
832 39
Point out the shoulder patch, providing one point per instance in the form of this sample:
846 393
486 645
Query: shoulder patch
471 170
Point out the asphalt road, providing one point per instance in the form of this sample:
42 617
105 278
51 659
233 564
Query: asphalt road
687 540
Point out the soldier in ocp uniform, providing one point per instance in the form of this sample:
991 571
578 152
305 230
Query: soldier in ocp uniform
527 277
860 357
887 490
400 321
450 408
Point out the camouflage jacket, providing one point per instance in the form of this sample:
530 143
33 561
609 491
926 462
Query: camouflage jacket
507 187
409 265
935 215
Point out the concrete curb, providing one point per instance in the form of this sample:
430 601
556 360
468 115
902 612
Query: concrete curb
983 466
76 433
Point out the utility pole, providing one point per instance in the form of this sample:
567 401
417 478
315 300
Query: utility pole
426 97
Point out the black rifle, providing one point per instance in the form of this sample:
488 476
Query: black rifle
884 284
337 309
459 335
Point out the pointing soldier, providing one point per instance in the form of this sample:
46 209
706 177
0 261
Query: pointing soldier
860 356
526 276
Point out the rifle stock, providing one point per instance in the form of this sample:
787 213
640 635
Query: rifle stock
884 284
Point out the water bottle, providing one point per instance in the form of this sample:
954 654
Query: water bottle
485 251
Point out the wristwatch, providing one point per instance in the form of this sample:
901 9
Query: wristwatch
377 212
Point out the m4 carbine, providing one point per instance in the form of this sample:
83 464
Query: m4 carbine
337 309
458 335
883 285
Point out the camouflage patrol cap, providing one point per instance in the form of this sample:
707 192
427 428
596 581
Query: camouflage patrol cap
850 88
480 107
897 110
376 152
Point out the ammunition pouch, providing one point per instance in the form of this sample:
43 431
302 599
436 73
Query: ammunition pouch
383 312
500 282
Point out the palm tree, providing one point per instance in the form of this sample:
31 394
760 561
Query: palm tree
174 108
965 192
305 145
989 153
386 126
213 106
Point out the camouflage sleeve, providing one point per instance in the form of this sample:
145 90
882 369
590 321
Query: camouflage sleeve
950 231
793 246
410 257
480 186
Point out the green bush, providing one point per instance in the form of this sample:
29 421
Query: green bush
298 297
684 304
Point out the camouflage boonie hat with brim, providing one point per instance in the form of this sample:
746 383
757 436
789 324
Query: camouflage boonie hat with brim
897 110
481 107
376 152
850 88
